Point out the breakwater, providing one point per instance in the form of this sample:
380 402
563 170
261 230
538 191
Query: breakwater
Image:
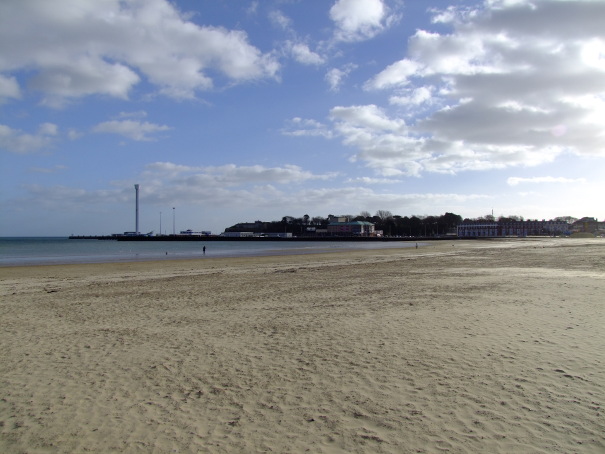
257 239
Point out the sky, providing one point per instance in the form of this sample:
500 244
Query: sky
235 111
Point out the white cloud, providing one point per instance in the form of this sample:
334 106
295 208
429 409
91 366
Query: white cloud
73 134
81 77
303 54
368 119
238 175
9 87
414 97
369 180
48 129
133 129
394 75
252 8
16 141
296 47
107 47
513 84
358 20
244 186
279 19
306 127
257 190
137 114
514 181
54 169
335 76
231 174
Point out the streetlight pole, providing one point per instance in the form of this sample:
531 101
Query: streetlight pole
173 222
136 228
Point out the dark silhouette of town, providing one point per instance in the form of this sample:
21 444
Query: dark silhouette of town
385 224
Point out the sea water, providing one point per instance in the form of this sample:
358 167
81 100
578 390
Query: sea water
56 250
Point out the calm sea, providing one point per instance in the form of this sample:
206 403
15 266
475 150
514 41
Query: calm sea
49 251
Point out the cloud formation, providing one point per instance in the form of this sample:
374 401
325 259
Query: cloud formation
302 54
372 121
109 47
514 181
9 87
132 129
254 188
357 20
306 127
16 141
231 174
335 76
515 84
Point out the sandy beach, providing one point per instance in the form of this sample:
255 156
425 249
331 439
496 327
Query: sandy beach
460 346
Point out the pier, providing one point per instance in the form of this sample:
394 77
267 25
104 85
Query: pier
253 238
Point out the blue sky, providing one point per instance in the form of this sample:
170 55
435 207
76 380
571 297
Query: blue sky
233 111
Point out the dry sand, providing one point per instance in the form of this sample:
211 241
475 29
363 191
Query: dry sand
485 346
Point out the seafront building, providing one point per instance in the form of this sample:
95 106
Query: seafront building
357 228
344 226
498 229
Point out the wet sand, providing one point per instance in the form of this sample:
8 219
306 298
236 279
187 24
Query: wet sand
468 346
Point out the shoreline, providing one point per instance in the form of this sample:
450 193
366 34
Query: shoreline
198 255
285 256
473 347
114 255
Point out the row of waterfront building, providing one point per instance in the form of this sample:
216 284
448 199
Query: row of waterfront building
494 229
482 229
466 229
335 228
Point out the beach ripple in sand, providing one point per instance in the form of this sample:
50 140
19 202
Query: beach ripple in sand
478 349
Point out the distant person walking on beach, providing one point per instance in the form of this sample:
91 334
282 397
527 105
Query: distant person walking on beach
204 250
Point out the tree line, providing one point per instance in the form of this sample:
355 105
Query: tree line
385 221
